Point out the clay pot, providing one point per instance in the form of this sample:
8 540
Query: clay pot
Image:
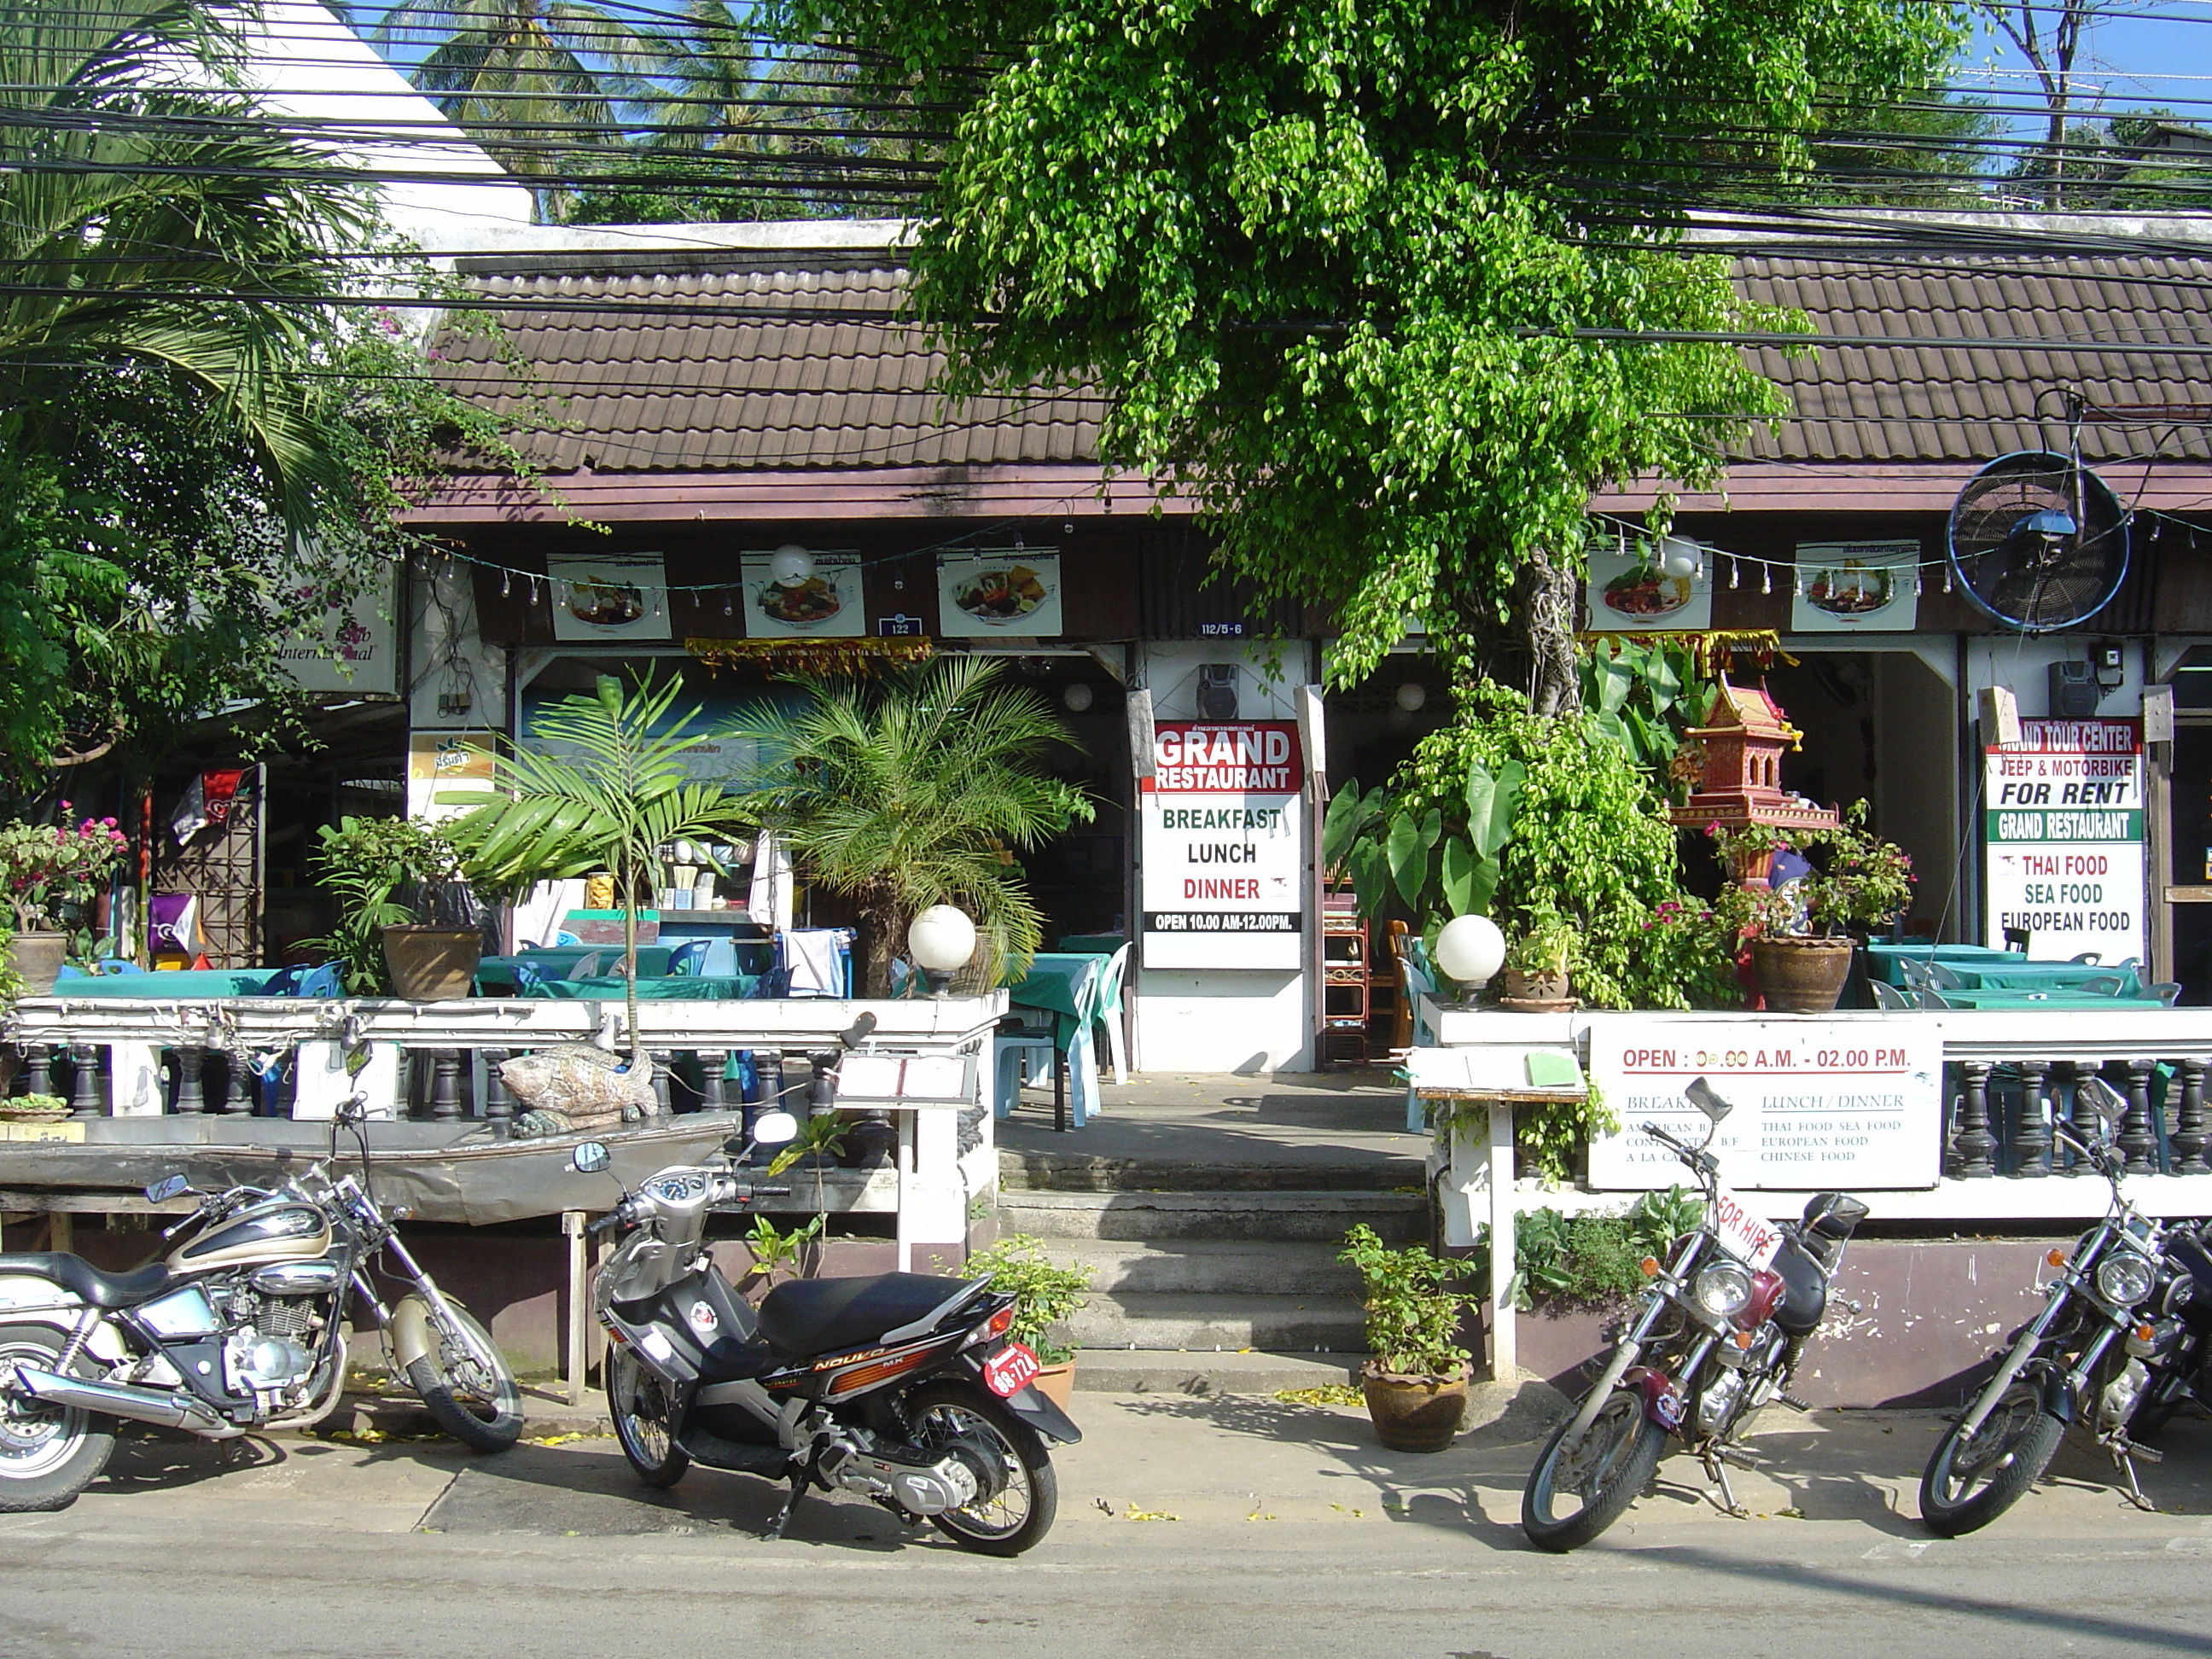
1415 1413
1057 1384
1535 988
432 964
37 958
1802 976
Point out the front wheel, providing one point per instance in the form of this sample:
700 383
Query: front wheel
1020 1493
466 1383
48 1454
1602 1469
1969 1483
638 1402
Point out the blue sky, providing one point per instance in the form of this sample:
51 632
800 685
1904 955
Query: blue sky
2162 56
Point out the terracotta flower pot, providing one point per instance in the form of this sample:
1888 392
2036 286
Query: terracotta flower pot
1802 976
1535 988
432 964
37 958
1415 1413
1057 1384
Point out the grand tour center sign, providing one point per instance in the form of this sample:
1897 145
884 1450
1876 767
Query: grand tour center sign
1223 846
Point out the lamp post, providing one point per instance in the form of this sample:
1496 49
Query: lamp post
942 941
1470 950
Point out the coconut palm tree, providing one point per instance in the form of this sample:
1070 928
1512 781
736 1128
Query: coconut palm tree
606 790
918 790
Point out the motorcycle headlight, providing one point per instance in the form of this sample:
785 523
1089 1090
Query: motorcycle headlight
1723 1290
2124 1278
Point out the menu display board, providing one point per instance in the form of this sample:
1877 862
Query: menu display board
1223 846
2063 849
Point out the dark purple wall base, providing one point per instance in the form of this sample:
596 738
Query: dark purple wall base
1933 1314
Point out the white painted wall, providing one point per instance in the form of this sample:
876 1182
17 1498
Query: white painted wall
446 654
1224 1019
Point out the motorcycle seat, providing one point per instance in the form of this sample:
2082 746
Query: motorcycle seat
86 1282
1804 1288
802 1317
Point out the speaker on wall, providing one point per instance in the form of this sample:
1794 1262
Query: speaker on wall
1217 691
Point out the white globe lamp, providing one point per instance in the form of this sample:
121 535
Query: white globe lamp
941 940
1469 952
790 565
1412 696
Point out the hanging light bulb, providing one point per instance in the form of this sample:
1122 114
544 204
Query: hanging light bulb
1765 576
1735 570
1916 582
1947 575
729 607
506 578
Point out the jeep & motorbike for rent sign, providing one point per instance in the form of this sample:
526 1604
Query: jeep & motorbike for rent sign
1223 846
2063 813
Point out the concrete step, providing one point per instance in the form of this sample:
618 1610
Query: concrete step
1168 1320
1323 1216
1081 1172
1218 1266
1103 1371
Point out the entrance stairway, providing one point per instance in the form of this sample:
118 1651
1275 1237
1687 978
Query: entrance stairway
1209 1278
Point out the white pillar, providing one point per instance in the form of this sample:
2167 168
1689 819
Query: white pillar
1504 1357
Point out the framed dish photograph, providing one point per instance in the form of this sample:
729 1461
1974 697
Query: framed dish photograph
823 600
1845 587
620 596
1009 591
1630 591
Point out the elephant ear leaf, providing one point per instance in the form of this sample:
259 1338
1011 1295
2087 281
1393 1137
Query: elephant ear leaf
1348 813
1457 874
1369 866
1489 802
1410 840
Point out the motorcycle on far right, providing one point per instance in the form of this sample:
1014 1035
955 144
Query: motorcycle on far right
2122 1340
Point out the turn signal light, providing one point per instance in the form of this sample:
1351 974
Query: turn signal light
1649 1266
1743 1339
2055 1258
2145 1332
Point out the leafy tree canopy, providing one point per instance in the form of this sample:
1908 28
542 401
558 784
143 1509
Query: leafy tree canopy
1327 261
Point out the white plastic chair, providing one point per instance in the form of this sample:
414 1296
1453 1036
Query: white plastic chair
1887 996
1109 1012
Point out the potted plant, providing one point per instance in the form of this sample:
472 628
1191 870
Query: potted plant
54 872
1416 1378
1536 978
1801 932
408 925
1045 1298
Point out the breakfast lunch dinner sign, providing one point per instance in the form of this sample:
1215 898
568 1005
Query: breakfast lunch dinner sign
1225 845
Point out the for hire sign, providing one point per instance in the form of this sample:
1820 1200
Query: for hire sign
1224 847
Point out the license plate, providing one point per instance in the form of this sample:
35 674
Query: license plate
1011 1370
1744 1235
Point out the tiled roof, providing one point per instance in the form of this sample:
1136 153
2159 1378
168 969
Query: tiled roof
769 367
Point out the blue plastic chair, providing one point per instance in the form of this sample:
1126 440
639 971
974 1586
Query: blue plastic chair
687 959
1416 980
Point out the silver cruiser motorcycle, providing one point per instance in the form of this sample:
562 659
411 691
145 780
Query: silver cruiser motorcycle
239 1328
902 1388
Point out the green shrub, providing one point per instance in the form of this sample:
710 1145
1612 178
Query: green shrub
1593 1259
1413 1321
1044 1296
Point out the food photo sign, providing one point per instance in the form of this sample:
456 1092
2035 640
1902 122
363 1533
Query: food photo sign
1856 587
620 596
1223 846
1630 591
1842 1105
821 600
1014 591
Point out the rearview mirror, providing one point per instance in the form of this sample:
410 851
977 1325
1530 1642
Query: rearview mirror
590 1157
169 1186
2110 1105
774 1129
1703 1097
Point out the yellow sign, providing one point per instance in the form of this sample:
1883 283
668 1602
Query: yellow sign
73 1131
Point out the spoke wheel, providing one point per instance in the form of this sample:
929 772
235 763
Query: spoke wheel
1021 1494
48 1454
1583 1483
466 1383
1969 1483
638 1402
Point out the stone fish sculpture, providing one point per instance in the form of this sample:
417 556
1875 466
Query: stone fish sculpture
576 1087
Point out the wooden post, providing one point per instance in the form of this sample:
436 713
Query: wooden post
580 1294
1504 1350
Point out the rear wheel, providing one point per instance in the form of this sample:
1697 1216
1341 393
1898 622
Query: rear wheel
638 1401
1023 1494
1582 1483
1969 1483
48 1454
466 1383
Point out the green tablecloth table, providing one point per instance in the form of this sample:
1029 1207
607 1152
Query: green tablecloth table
683 988
190 984
1091 945
2042 976
2032 1001
1065 984
1886 962
556 963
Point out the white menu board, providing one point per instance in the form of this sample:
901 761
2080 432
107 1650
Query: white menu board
2063 854
1851 1105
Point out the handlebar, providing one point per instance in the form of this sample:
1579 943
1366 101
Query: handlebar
613 1218
1697 1157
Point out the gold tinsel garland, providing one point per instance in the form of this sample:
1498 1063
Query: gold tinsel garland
857 658
1710 647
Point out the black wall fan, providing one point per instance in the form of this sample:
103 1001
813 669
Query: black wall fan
2039 541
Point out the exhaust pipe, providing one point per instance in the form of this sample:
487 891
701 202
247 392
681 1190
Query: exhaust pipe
169 1410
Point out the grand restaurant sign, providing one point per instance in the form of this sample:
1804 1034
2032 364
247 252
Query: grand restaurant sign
1223 846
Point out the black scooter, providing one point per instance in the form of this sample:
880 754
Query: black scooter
903 1387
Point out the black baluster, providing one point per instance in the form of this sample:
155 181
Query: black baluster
42 1068
2031 1140
237 1086
2137 1139
2080 1115
445 1084
1974 1142
498 1104
192 1101
84 1082
663 1104
714 1096
2189 1125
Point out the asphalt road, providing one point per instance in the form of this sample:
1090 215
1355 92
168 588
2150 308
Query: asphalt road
1187 1526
